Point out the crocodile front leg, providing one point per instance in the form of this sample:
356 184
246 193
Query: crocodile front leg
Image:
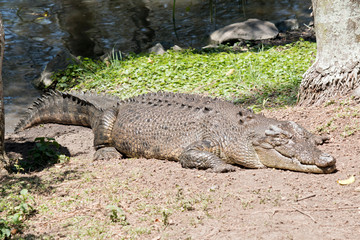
198 156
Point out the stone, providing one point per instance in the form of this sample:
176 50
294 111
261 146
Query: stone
62 59
287 25
158 49
252 29
176 48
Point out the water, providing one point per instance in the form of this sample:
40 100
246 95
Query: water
36 30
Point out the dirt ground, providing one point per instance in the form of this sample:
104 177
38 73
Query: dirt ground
155 199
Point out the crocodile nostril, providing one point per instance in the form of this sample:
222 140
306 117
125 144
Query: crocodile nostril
325 160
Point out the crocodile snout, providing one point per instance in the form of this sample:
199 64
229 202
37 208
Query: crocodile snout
325 160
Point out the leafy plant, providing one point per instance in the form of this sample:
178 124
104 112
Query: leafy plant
17 209
72 75
5 229
166 214
45 152
117 215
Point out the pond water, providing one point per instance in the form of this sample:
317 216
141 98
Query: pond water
36 30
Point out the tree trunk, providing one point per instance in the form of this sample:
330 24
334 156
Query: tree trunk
3 158
336 69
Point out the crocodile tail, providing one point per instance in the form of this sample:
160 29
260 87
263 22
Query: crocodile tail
62 108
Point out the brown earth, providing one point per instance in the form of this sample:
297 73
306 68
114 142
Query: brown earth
156 199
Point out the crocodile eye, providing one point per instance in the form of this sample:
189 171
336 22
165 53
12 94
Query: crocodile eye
246 119
286 136
276 131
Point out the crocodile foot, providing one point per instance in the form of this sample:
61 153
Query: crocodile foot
223 168
107 153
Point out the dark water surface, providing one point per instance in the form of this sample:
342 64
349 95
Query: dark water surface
36 30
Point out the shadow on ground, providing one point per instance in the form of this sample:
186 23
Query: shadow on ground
29 156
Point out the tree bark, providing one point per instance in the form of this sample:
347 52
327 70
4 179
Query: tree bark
3 158
335 72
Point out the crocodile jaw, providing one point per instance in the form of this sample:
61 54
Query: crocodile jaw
273 159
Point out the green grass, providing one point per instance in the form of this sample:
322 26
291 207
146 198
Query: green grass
262 77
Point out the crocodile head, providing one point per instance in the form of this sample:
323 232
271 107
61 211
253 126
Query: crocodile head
287 145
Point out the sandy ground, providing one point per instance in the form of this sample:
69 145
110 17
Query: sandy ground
160 200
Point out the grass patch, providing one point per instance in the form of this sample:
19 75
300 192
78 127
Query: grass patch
261 77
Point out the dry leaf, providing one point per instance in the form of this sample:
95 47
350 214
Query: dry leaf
231 71
350 180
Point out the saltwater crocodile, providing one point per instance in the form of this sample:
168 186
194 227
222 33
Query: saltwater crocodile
197 131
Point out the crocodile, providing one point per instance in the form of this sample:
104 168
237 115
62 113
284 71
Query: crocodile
197 131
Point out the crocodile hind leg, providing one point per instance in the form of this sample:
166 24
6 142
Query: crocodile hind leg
197 156
103 136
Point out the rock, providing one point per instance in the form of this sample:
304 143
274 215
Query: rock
176 48
287 25
158 49
252 29
62 59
